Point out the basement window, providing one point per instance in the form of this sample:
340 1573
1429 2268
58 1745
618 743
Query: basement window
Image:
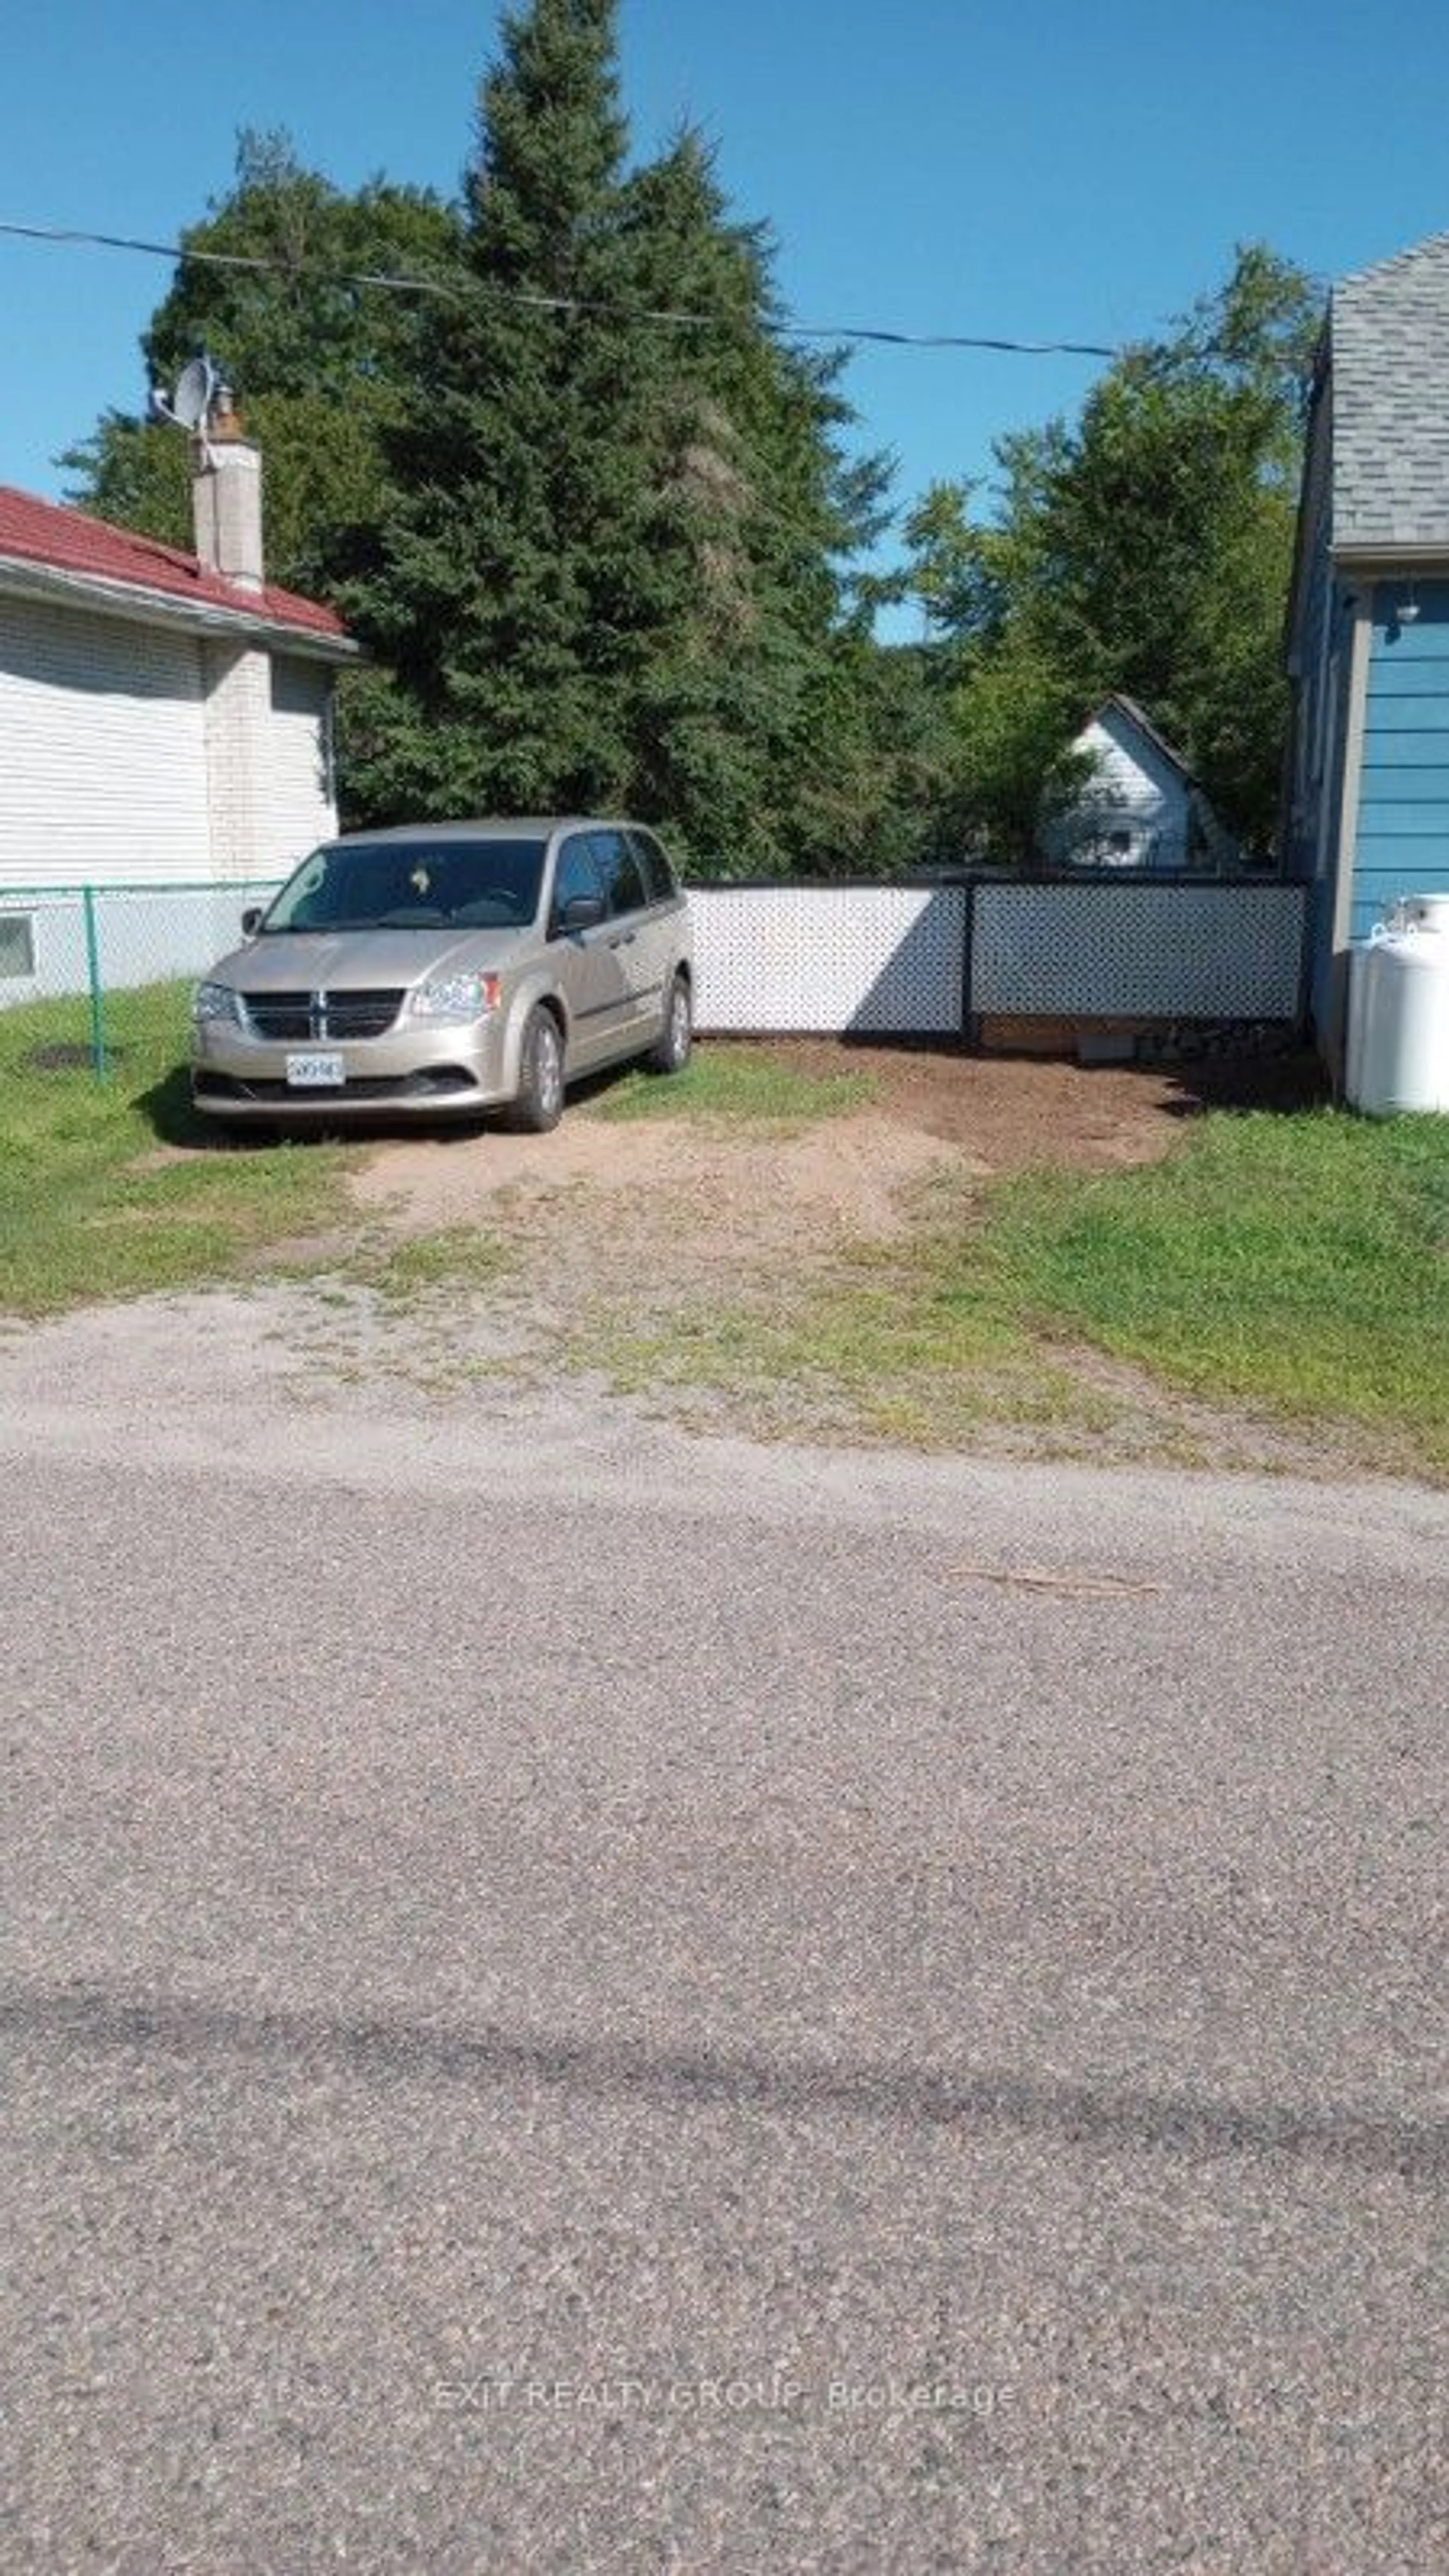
17 945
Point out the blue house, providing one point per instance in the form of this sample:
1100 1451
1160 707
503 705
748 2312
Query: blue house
1367 794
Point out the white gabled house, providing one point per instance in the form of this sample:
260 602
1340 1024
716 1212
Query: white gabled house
1140 808
164 717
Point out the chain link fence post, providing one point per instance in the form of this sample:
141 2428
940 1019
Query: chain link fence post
97 988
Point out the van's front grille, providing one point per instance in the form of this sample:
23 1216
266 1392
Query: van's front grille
279 1015
314 1018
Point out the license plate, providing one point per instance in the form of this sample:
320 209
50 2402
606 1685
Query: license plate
316 1072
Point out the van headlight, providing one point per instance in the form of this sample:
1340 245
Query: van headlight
215 1002
457 997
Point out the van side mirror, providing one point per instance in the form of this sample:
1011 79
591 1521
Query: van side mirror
251 920
582 912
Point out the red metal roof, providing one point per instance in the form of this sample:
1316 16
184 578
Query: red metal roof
65 540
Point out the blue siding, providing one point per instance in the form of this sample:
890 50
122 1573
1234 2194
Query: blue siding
1402 841
1411 680
1397 750
1401 798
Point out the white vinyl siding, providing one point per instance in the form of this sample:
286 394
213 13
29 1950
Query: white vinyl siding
299 804
102 750
1135 794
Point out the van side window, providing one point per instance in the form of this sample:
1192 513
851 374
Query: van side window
658 874
575 874
623 880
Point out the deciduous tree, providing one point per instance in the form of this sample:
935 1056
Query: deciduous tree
320 365
1147 549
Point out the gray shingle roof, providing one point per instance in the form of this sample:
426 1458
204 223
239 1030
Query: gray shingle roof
1389 328
1145 725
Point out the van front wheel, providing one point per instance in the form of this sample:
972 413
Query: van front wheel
538 1102
670 1052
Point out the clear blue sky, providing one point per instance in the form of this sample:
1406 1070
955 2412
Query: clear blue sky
1032 168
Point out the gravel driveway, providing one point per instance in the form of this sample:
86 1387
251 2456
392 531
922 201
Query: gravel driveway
577 1998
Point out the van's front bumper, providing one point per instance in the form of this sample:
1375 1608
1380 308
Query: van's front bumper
411 1072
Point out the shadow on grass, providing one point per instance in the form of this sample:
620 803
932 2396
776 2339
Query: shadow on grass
1285 1085
170 1113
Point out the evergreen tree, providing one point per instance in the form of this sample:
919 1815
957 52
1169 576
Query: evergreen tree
600 559
496 590
613 576
752 698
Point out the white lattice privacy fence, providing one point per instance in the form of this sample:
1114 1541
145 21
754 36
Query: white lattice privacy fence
1109 950
927 960
830 957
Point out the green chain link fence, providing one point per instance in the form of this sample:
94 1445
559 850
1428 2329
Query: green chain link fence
101 976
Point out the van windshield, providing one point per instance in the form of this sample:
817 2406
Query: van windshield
413 885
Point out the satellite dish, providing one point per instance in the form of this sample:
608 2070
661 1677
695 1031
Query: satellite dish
190 405
192 399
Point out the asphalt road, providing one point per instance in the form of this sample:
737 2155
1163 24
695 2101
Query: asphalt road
575 2000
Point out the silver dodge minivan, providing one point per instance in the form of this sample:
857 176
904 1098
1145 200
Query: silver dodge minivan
445 969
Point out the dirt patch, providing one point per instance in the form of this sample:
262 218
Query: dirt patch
989 1114
1010 1111
739 1277
845 1175
609 1231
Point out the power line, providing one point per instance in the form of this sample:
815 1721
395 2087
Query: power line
787 327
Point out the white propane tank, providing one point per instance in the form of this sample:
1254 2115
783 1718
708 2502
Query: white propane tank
1398 1011
1360 982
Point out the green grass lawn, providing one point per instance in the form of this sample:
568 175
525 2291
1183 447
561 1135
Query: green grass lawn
1298 1264
735 1084
92 1204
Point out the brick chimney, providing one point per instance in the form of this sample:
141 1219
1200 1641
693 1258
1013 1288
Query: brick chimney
226 496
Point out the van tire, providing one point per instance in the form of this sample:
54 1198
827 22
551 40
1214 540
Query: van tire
671 1050
537 1105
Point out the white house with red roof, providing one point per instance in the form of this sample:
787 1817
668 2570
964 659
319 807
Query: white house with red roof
164 717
